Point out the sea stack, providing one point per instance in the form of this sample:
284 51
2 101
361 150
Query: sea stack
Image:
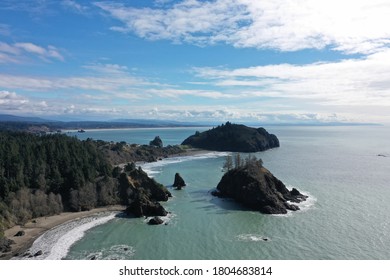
257 188
233 138
179 182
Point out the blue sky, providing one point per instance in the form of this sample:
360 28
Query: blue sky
271 61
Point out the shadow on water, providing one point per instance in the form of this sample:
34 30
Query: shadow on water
124 215
226 204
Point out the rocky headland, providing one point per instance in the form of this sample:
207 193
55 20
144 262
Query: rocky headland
233 138
142 193
257 188
117 153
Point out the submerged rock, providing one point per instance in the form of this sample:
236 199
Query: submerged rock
257 188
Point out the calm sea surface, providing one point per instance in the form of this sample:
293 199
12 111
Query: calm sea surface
346 217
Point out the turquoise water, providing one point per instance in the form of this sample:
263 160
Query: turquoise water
346 217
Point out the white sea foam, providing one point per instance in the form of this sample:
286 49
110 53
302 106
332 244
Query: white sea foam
307 204
116 252
168 219
153 168
56 242
249 237
304 206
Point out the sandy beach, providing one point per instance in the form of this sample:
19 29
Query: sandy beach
36 227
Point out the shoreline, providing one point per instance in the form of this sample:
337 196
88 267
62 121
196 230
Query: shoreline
36 227
187 153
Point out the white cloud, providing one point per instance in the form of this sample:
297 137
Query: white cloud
73 5
353 82
107 68
219 114
109 78
10 100
176 93
16 53
349 26
49 52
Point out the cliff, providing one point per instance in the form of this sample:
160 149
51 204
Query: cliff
257 188
233 138
142 193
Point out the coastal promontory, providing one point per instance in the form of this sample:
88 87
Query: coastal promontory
255 187
233 138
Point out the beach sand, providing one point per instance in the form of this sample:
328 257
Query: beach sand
36 227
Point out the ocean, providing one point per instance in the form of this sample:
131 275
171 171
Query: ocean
345 171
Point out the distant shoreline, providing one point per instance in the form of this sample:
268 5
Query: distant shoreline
132 128
36 227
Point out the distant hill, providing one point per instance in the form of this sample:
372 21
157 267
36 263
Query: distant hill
35 124
12 118
163 123
233 138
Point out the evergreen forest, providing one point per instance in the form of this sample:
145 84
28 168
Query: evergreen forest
45 175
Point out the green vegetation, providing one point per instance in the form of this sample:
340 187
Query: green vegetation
236 162
45 175
233 138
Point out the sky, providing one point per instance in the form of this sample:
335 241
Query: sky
265 61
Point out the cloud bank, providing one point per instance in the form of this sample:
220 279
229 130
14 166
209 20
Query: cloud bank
347 26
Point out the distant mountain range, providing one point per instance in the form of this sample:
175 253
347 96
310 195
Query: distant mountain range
12 118
52 124
25 123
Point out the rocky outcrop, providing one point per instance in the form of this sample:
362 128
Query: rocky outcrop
155 221
156 142
145 207
142 194
40 252
179 182
5 244
257 188
233 138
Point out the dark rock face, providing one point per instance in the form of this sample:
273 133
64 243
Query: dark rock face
20 233
233 138
5 244
137 184
179 182
156 142
256 188
145 207
142 194
155 221
38 253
